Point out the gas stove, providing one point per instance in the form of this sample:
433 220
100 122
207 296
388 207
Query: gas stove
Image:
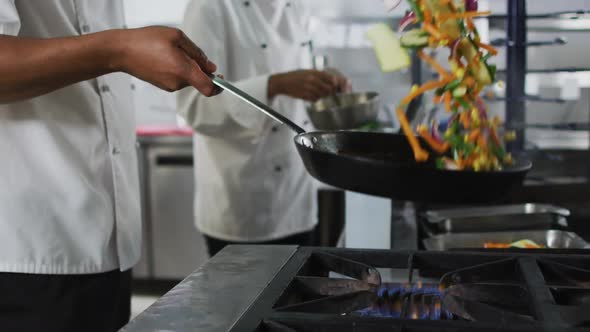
262 288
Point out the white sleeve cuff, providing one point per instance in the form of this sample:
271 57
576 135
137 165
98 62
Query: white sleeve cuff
211 116
245 115
9 18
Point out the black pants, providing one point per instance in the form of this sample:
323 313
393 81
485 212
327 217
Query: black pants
95 302
302 239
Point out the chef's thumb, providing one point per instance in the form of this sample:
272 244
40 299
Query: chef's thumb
201 81
197 54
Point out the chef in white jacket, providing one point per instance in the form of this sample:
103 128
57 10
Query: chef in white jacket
70 221
251 185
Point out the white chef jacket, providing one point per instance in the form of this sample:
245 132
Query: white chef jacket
250 183
69 193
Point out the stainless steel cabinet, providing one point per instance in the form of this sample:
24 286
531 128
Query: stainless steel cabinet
173 247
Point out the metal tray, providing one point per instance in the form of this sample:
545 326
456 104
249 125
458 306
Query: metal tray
496 218
550 239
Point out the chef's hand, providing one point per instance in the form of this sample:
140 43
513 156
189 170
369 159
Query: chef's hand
165 57
344 84
309 85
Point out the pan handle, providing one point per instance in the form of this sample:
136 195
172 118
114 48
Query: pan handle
256 103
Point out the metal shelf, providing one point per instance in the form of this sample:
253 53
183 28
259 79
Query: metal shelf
516 62
553 70
559 75
517 24
566 14
562 21
502 42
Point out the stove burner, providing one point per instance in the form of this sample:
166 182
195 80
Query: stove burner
342 290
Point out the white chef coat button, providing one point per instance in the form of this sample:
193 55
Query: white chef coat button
274 129
247 3
278 169
288 4
263 46
86 28
132 87
116 151
306 122
104 88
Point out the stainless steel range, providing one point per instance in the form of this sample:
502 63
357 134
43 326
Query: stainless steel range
286 288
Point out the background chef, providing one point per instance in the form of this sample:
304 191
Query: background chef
250 185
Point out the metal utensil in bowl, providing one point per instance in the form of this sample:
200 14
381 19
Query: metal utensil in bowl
344 111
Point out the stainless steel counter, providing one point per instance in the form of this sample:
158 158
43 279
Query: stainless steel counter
216 295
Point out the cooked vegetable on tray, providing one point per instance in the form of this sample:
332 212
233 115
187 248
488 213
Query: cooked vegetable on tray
471 140
523 244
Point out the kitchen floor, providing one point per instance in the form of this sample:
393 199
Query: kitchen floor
140 302
146 292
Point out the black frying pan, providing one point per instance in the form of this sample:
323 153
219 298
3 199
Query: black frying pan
383 164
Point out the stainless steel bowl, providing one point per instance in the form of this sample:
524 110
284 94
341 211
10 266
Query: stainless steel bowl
344 111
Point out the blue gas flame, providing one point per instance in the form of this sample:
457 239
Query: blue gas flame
417 301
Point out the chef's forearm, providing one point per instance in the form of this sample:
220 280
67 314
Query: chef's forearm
33 67
275 87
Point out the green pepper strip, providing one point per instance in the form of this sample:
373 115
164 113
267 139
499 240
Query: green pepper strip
498 151
455 141
468 149
462 28
452 85
493 69
416 10
463 103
